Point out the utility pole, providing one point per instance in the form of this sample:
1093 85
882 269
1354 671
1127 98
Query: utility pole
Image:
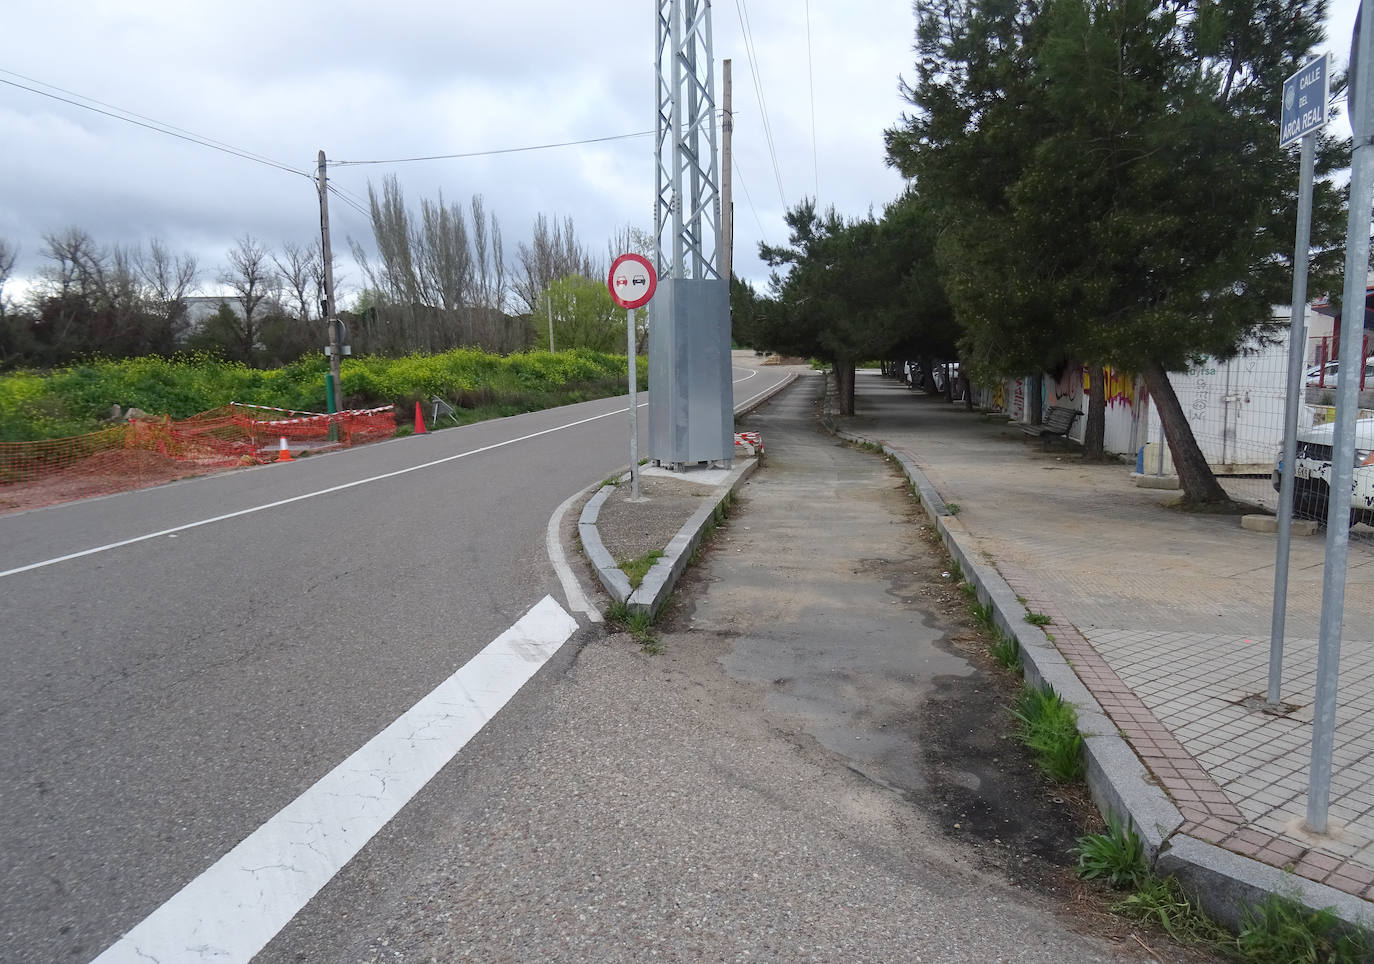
727 197
334 395
551 316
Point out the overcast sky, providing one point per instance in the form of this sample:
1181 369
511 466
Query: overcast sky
367 81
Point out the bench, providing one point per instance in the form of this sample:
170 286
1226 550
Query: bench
1058 420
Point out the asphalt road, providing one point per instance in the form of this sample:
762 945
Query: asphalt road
180 663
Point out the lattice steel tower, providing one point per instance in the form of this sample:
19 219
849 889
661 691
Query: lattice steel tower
691 417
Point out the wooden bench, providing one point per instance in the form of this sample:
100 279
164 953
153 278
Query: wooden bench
1058 420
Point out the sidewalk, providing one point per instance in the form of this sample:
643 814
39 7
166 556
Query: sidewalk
1165 618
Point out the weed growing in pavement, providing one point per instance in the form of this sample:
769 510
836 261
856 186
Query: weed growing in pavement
1116 856
953 507
637 569
1281 929
982 615
1278 930
1162 901
638 624
1049 727
1007 652
1038 619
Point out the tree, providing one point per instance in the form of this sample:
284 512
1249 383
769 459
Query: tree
167 280
839 298
553 252
256 288
584 316
1114 188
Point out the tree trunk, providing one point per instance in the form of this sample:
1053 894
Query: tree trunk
1194 474
1095 428
844 386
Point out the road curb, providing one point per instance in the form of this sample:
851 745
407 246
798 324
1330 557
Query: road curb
1226 884
659 581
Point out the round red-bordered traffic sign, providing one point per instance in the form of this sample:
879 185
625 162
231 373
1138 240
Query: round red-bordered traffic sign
632 281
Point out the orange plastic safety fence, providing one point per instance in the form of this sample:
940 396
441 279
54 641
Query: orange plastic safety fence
146 452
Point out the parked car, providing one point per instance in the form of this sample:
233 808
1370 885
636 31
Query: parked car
1312 472
1332 371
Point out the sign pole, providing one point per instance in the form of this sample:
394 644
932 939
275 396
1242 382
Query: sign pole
1343 440
1302 114
1297 345
632 283
634 408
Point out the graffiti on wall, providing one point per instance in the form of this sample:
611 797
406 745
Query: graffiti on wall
1066 386
1118 390
998 399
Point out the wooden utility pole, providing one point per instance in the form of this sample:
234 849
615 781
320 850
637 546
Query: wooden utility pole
335 394
727 198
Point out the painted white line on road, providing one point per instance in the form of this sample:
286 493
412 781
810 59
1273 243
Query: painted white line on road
297 498
553 543
739 405
234 908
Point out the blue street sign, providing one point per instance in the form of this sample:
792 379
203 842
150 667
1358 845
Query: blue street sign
1305 96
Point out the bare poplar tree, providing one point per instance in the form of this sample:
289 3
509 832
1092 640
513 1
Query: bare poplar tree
553 253
167 280
255 285
298 268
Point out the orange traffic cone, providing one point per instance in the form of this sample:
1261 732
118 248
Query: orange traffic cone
284 453
419 420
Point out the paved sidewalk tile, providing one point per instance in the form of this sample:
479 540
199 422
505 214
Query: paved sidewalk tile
1166 617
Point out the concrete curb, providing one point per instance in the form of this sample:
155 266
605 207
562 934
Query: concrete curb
1225 883
658 583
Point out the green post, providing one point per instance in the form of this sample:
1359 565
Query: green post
330 394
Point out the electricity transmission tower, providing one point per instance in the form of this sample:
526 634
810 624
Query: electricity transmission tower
691 416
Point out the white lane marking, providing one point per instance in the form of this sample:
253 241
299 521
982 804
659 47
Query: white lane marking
297 498
235 907
737 407
752 372
572 586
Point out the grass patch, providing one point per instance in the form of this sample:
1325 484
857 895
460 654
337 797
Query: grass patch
1007 652
953 507
72 400
1116 856
637 569
1162 901
1049 727
638 624
1280 929
1038 619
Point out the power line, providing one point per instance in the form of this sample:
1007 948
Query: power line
366 215
811 82
138 120
503 150
758 91
740 176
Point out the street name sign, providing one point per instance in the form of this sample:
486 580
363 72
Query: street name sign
1305 97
